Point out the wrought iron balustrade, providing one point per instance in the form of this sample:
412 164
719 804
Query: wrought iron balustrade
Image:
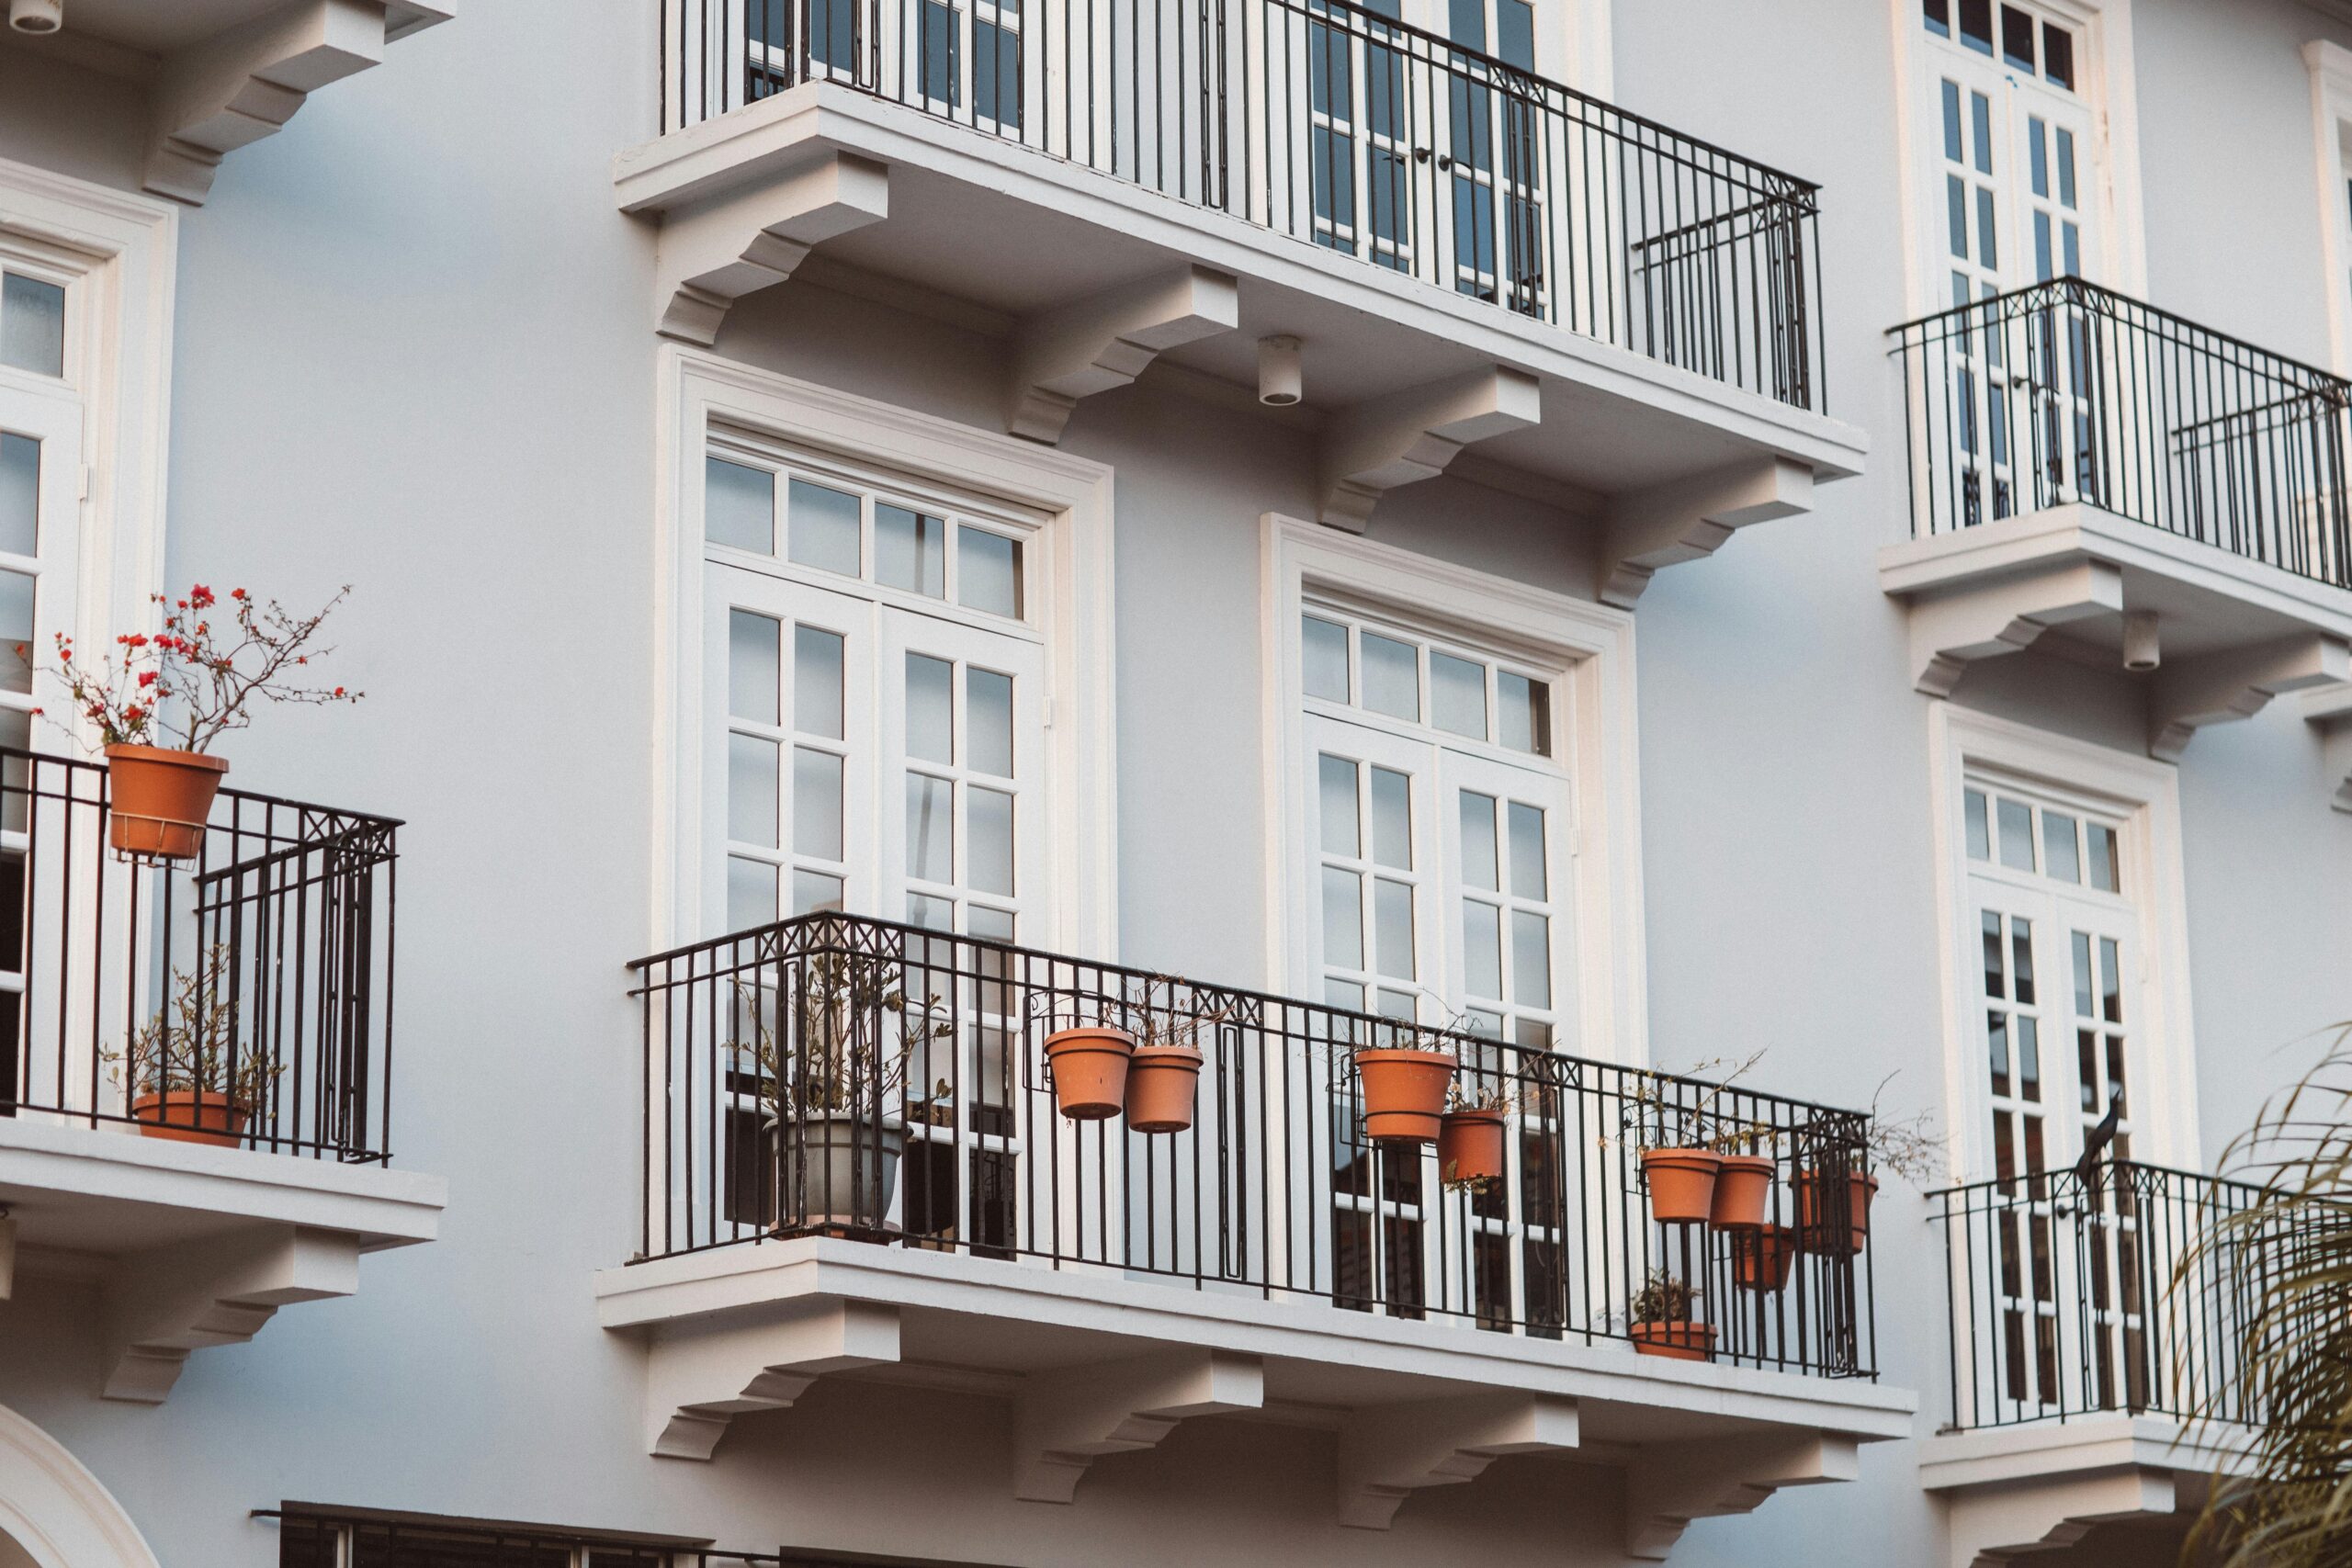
2069 393
921 1053
1342 126
311 1535
262 968
2063 1301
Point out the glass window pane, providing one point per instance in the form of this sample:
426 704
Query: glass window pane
1996 1046
2106 873
1529 878
19 494
989 819
2058 55
755 666
817 704
1482 948
2110 969
1956 213
1954 151
931 708
2017 38
988 571
822 527
996 926
987 719
2021 955
2059 856
1403 1006
1342 919
33 325
1325 658
1526 712
2016 835
1531 959
1345 995
930 829
750 893
814 893
1479 859
1981 115
931 913
1938 16
1988 245
1996 964
754 787
1392 818
15 628
1976 24
1392 924
2037 142
2066 171
1980 836
909 551
816 804
1458 695
1335 785
738 506
2084 982
2029 1060
1392 677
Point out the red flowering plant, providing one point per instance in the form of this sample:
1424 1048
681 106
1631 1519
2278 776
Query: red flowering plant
191 681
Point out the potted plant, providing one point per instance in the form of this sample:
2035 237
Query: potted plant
160 702
1658 1320
1743 1176
1405 1086
1163 1074
1834 1215
1471 1138
182 1071
831 1070
1088 1063
1762 1257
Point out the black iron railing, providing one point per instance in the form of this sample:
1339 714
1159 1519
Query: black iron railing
2064 1298
839 1075
2069 393
311 1535
258 973
1343 127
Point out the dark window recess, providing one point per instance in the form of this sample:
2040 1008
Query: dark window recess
1976 25
1939 15
2017 38
307 1543
2058 55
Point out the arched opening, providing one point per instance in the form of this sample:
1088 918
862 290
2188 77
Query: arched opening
53 1512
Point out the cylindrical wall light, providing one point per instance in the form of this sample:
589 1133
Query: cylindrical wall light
2140 650
1281 380
36 15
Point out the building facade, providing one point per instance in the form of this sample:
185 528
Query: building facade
1774 579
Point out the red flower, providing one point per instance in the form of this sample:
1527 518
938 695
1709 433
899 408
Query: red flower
146 679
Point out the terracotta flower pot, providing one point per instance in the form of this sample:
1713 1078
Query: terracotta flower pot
1470 1144
1675 1341
1682 1184
1161 1081
1761 1259
158 800
190 1116
1819 1222
1743 1191
1090 1069
1404 1092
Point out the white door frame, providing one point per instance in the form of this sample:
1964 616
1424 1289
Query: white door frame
60 1513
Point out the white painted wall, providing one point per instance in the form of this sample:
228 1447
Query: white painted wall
414 353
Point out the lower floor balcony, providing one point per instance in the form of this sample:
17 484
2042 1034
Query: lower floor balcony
195 1063
879 1154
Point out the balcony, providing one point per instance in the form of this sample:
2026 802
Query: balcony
2090 1392
223 74
258 974
1623 318
1269 1263
2106 483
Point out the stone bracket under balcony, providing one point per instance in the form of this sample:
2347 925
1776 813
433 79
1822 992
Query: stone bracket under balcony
188 1246
2330 713
1095 1363
2084 584
1091 280
2131 1483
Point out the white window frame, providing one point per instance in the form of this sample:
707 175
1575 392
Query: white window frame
2104 82
116 252
2331 72
2144 796
1070 605
1590 646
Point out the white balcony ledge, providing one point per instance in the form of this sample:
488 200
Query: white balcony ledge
2233 632
2016 1492
224 74
1094 279
191 1245
1094 1363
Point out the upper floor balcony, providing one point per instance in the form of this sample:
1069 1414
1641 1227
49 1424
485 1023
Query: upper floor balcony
860 1162
2100 1319
1447 248
194 1066
2106 482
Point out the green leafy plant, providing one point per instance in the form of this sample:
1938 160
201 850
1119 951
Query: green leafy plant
1661 1299
848 1035
190 1044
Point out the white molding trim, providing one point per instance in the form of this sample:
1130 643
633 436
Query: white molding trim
124 251
2330 70
60 1513
698 389
2146 794
1593 644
